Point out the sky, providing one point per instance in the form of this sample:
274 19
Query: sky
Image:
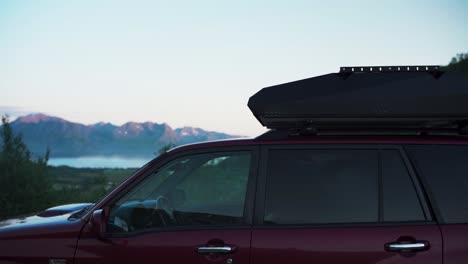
196 63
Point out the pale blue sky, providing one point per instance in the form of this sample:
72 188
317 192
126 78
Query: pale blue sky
197 62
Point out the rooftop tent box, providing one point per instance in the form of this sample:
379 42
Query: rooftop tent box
421 96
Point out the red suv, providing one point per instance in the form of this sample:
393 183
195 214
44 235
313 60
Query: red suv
368 165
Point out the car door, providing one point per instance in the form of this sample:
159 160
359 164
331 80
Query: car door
341 204
443 169
195 207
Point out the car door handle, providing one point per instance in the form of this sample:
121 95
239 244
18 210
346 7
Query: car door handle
214 250
412 246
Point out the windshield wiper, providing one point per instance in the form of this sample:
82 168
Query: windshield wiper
80 213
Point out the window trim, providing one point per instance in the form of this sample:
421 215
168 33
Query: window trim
258 220
420 187
248 202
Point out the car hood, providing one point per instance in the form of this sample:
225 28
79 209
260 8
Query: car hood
52 217
63 209
38 238
32 221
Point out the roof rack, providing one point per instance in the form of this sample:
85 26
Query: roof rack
276 134
371 69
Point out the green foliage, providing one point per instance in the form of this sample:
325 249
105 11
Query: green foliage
459 58
165 148
220 172
24 185
28 185
74 185
459 63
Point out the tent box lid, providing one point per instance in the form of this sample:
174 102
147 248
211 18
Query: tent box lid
377 96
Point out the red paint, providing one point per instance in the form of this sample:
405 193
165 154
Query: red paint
337 245
37 240
163 247
455 243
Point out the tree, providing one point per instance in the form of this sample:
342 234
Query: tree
459 63
24 185
165 148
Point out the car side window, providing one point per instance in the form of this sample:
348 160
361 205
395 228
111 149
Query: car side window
339 186
445 170
321 186
194 190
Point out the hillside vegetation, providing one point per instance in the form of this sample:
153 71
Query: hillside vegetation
28 185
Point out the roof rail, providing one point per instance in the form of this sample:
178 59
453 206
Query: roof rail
277 134
371 69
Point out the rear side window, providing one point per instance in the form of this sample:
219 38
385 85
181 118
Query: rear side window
333 186
445 169
319 186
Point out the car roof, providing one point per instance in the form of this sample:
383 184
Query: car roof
327 139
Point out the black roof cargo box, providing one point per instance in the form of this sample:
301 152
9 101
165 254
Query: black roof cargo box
367 97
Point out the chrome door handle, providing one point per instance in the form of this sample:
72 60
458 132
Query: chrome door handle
214 250
413 246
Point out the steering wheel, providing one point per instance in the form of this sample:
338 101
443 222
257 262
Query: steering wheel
162 202
163 208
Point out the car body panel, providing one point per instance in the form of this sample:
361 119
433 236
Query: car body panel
455 243
39 239
36 239
164 247
336 245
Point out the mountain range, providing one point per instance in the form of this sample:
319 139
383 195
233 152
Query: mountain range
69 139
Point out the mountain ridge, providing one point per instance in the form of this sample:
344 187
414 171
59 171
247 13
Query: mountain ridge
132 139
